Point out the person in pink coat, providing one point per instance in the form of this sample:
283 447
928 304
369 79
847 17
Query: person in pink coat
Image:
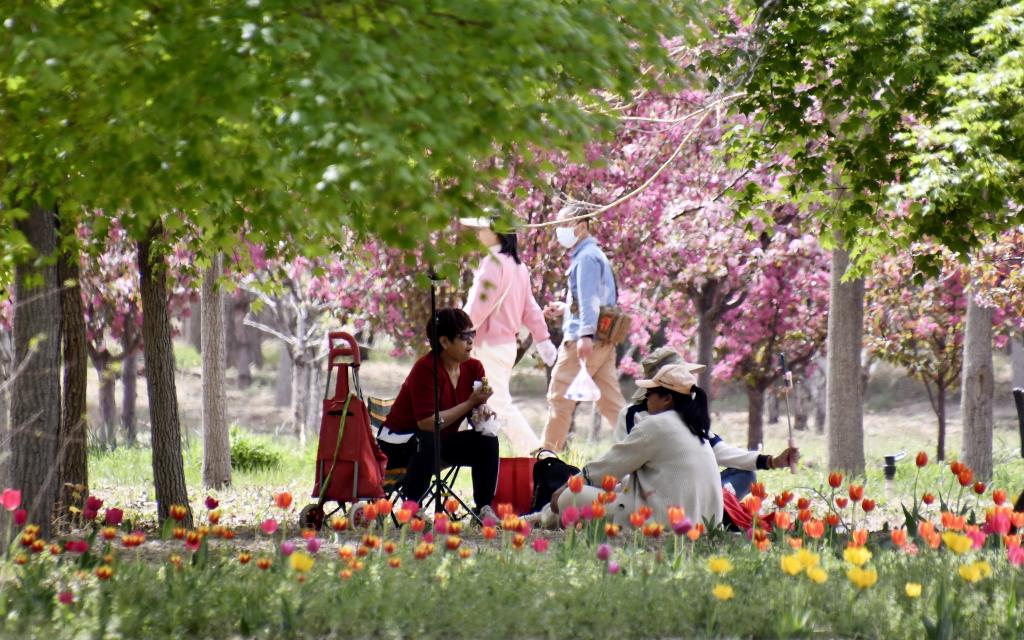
500 301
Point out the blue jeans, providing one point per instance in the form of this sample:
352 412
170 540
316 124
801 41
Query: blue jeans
740 479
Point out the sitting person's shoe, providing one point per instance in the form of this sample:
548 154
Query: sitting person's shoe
486 512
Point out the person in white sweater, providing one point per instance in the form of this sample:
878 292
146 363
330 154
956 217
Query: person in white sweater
668 457
740 464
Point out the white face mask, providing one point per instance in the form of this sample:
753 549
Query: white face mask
566 236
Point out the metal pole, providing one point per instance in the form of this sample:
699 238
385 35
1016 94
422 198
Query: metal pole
438 505
1018 398
787 377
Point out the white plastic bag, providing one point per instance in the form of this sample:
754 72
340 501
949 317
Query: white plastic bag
583 388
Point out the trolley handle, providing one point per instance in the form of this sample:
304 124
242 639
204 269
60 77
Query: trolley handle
342 345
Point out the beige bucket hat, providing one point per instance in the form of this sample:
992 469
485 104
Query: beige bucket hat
659 358
675 377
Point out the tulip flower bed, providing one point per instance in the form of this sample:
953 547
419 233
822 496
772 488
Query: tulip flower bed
955 568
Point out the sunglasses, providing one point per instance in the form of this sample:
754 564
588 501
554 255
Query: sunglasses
467 335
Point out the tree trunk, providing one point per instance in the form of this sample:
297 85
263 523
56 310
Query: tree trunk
940 413
283 386
158 350
242 356
301 371
845 341
755 417
706 326
216 447
595 422
73 438
772 402
129 384
1017 360
108 407
819 393
803 404
35 414
978 387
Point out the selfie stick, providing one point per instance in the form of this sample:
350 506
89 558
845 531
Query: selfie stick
787 378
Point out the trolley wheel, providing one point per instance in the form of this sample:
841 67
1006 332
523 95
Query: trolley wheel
311 517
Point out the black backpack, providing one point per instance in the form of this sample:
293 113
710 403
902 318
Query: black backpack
548 475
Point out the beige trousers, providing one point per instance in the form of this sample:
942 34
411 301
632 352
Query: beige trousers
601 367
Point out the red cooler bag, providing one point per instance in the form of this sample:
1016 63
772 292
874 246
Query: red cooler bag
515 483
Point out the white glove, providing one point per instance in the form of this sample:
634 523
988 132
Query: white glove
547 352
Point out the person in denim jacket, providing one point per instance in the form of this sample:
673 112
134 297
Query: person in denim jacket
590 284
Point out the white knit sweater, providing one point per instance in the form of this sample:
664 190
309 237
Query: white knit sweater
726 454
667 466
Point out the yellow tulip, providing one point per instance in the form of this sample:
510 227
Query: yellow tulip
958 544
913 590
808 560
791 564
719 565
301 562
817 574
863 578
856 555
975 571
722 592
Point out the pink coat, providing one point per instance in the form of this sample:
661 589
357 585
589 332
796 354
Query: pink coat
500 325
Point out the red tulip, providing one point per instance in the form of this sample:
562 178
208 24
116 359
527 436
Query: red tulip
803 503
868 505
211 503
927 498
979 488
608 483
841 502
833 519
999 497
576 483
757 490
283 500
856 492
956 467
835 479
965 477
113 517
20 516
922 458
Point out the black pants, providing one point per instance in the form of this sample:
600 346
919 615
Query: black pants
463 448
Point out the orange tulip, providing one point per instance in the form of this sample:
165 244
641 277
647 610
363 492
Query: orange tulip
451 505
653 529
389 547
646 511
608 483
804 515
576 483
761 540
899 537
370 541
926 528
782 520
676 514
599 510
796 543
417 525
518 540
453 542
465 552
384 506
803 503
504 510
607 497
953 522
752 504
1012 540
489 533
782 499
346 552
922 459
178 512
999 497
369 513
283 500
858 538
1017 519
966 476
214 517
856 492
403 516
757 490
611 530
832 519
264 563
308 533
244 557
395 562
104 572
956 467
636 519
694 533
835 479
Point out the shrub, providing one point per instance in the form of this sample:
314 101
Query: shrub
248 454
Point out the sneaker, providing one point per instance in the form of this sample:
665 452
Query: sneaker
486 512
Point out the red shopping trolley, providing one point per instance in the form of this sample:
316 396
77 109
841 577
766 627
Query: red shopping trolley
349 464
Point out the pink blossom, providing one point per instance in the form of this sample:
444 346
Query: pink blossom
287 547
604 551
587 513
540 545
977 537
269 526
313 545
613 567
11 499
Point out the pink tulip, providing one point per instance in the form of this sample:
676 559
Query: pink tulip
76 546
11 499
287 547
211 503
1015 555
269 526
613 567
977 537
113 517
526 528
20 517
604 551
540 545
66 597
682 527
441 526
570 516
411 506
587 513
428 537
313 545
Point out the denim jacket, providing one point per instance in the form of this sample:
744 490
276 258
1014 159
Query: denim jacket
591 284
